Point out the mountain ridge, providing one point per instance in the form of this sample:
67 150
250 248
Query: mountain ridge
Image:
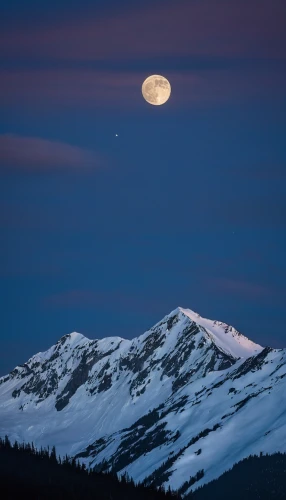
156 406
76 336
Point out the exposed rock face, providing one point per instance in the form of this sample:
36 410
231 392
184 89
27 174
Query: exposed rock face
187 395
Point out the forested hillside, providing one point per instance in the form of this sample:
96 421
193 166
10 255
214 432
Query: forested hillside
37 474
254 478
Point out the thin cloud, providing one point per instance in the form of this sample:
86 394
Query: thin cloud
36 153
272 171
242 288
210 51
90 88
120 301
247 28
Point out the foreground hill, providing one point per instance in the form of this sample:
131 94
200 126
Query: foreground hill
262 478
37 474
187 396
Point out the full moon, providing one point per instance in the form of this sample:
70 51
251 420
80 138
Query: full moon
156 89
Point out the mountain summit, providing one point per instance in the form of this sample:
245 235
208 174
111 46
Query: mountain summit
224 336
175 406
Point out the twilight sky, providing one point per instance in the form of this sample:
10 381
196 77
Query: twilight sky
187 206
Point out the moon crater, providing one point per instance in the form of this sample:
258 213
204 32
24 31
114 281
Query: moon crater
156 89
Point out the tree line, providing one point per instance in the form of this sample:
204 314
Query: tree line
260 477
26 471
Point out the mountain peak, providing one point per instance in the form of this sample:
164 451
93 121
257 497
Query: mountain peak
225 336
72 338
187 395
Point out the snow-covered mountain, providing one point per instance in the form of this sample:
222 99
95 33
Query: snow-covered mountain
189 394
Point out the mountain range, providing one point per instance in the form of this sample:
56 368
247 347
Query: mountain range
176 406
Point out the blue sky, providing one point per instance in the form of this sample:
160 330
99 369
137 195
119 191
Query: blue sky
104 234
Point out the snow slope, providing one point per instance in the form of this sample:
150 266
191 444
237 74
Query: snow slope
226 337
188 394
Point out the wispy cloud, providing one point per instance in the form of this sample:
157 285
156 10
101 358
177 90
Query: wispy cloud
272 171
115 300
242 288
87 87
245 27
36 153
210 51
91 88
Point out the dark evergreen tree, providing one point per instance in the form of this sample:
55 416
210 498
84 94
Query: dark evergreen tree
26 472
261 478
